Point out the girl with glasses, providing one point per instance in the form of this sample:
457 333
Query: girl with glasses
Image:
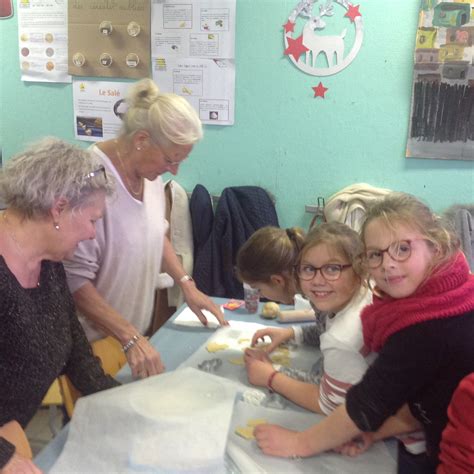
330 275
421 324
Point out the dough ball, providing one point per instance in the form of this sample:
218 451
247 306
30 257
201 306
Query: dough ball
270 310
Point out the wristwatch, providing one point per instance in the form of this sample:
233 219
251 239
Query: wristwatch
186 278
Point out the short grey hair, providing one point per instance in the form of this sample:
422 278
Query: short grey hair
49 169
168 118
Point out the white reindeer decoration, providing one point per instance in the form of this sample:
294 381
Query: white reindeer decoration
331 46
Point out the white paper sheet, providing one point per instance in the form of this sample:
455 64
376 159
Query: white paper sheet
207 84
188 318
193 54
238 337
195 28
42 37
175 422
97 109
244 453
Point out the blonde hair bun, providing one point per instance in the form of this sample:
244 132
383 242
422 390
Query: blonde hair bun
143 94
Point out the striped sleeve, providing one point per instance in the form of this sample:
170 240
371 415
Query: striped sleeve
344 366
332 393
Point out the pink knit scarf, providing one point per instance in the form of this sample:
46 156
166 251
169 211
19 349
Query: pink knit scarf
448 292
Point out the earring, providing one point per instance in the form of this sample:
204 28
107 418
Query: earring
139 148
56 226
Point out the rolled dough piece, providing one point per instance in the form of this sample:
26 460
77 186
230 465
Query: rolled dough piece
215 346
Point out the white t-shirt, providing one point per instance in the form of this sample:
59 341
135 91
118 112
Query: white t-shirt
341 344
124 261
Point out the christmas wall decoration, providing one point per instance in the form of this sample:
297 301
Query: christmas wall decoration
305 41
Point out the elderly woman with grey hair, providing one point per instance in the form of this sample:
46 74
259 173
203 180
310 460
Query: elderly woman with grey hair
54 193
113 279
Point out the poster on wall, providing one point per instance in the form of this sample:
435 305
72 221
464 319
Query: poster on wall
98 108
109 38
207 84
442 110
194 28
193 54
42 38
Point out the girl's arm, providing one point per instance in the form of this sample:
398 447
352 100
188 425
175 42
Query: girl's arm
401 423
304 394
330 433
260 372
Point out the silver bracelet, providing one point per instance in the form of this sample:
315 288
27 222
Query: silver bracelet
130 343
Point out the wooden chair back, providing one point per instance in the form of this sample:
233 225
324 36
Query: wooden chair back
14 433
112 357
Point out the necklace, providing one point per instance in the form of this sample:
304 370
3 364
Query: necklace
140 190
18 246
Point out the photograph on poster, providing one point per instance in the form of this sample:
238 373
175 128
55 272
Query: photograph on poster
120 107
89 126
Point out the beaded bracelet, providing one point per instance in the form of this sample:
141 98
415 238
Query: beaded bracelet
126 347
270 380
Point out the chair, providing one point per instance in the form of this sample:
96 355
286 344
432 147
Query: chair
13 432
53 399
112 358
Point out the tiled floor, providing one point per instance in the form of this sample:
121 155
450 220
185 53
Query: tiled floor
39 431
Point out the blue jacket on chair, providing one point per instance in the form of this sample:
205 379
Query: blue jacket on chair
239 213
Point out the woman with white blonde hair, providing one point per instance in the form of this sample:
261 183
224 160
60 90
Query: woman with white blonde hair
54 193
114 278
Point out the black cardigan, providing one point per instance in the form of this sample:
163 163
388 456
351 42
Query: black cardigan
422 366
40 338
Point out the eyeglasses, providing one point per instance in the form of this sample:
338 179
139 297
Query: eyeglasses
167 159
99 171
330 271
398 251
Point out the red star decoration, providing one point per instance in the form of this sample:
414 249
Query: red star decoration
289 26
296 47
353 12
319 90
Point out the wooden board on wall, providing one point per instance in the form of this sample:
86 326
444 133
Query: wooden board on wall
88 20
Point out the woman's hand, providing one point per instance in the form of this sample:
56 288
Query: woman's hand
277 335
198 301
259 367
277 441
18 464
144 359
357 446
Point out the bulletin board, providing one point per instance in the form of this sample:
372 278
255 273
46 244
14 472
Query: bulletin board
109 39
441 119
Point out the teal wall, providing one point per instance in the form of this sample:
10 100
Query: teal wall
283 139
